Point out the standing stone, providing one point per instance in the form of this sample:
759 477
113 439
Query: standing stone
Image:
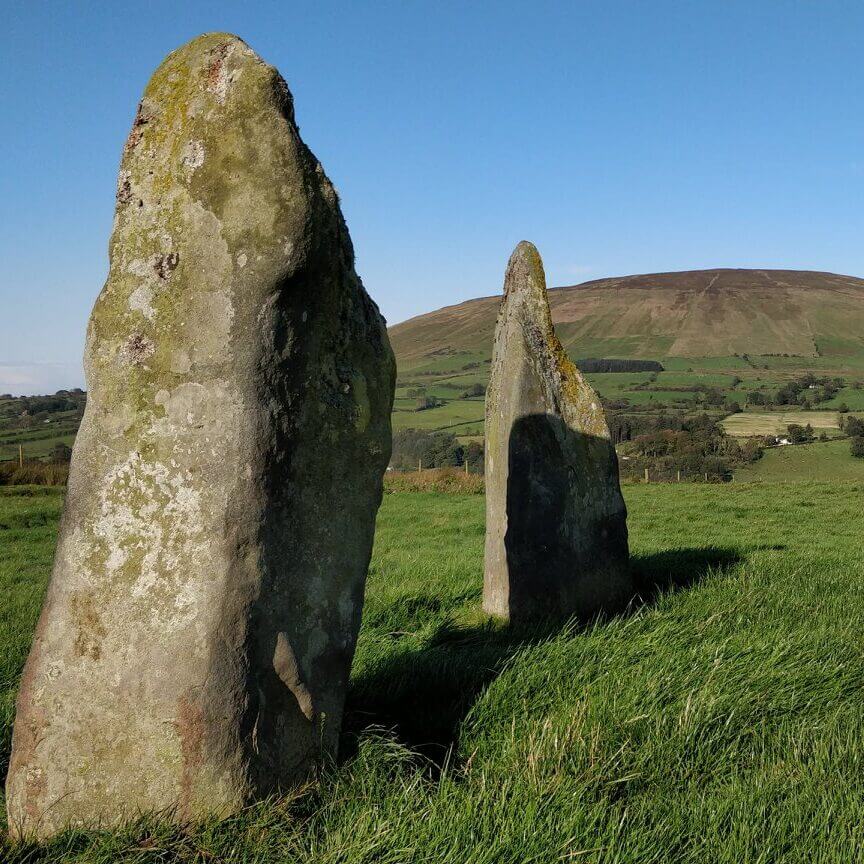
194 648
556 532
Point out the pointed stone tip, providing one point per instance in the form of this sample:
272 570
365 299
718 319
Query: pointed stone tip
202 48
207 41
525 249
525 269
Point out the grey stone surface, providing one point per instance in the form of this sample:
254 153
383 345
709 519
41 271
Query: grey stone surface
556 533
194 648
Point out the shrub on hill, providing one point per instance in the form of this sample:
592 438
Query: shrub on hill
799 434
415 447
853 426
34 474
434 480
595 364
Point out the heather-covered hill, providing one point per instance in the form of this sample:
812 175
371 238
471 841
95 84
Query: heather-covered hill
695 313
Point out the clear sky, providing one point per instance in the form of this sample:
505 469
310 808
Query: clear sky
620 137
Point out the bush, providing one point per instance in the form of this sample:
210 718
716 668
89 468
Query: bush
474 390
34 473
857 447
434 480
757 398
595 364
425 402
852 426
799 434
411 447
751 451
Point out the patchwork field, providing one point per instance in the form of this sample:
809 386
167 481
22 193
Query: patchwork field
720 720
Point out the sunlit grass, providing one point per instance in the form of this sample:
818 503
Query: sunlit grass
720 720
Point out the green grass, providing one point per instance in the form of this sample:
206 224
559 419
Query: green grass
822 460
655 397
852 397
446 362
38 442
613 385
454 413
28 525
720 721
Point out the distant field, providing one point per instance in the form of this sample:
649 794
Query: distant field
38 443
456 412
647 397
773 423
851 397
722 722
828 460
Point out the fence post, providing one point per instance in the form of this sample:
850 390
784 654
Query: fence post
419 466
646 476
20 455
679 475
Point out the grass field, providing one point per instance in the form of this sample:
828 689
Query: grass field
461 416
722 720
828 460
774 423
38 443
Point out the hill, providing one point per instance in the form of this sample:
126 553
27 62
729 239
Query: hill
690 314
719 334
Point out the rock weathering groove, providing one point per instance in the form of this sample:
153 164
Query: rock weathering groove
195 644
556 532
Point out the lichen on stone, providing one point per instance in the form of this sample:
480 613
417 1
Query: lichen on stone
206 594
556 541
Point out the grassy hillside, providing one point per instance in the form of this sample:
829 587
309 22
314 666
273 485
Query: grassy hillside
828 460
731 330
691 314
720 721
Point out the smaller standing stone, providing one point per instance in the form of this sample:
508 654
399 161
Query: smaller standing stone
556 532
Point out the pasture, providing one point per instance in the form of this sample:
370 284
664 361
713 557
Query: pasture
821 460
720 719
749 424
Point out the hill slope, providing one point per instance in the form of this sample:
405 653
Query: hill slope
695 313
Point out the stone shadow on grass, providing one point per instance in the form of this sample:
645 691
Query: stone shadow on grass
424 695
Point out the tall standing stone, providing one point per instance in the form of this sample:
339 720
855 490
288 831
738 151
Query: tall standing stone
194 647
556 533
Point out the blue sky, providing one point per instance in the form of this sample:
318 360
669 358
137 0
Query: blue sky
620 137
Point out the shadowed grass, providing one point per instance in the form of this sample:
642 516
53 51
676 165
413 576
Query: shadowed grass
721 719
